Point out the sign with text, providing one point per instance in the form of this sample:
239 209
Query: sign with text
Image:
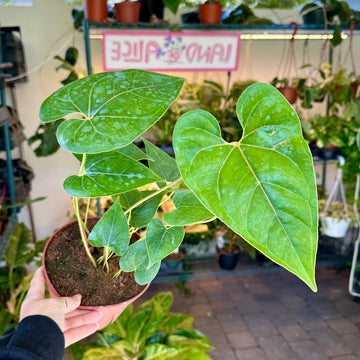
167 51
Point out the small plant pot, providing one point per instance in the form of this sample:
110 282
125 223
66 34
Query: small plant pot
289 93
228 261
334 227
210 13
354 88
110 312
128 11
96 10
173 260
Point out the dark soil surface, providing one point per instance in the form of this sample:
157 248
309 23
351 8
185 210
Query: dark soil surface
71 271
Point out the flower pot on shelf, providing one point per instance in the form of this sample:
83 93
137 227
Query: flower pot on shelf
289 93
128 11
210 13
173 260
227 257
72 272
334 227
96 10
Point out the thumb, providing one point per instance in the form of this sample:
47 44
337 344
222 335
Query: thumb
72 302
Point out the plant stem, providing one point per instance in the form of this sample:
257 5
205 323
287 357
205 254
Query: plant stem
82 166
151 195
115 276
82 229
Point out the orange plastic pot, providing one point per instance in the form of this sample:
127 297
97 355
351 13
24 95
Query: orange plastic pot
96 10
289 93
110 312
128 11
210 13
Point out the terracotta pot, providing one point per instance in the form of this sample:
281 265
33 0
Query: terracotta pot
110 312
289 93
354 88
128 11
96 10
210 13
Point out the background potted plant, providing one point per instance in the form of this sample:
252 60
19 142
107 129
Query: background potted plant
151 331
128 11
286 88
105 113
210 12
96 10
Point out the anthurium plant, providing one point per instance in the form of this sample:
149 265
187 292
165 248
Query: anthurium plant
261 186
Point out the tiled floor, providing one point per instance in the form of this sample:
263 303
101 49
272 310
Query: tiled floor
259 313
272 315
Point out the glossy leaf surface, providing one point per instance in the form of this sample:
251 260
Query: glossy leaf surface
136 257
161 163
262 187
112 230
188 210
144 276
162 241
107 174
114 108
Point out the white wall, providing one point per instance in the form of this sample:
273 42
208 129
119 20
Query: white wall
46 30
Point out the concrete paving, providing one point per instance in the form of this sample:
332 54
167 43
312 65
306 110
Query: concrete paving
271 315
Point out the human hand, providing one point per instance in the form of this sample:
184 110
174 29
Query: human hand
76 324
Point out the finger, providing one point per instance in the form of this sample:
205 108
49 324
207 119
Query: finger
71 303
37 286
92 317
77 312
76 334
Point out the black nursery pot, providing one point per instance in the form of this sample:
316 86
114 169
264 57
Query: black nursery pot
228 261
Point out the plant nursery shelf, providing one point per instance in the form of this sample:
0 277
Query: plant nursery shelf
247 31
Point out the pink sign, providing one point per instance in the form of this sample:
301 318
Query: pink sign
167 51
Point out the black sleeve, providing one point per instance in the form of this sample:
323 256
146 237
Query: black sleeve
37 337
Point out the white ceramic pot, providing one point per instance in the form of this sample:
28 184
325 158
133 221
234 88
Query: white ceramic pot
334 227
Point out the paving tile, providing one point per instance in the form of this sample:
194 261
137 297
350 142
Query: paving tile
260 324
307 350
251 354
352 341
330 342
293 333
231 320
224 353
345 357
246 304
343 326
309 319
292 301
201 310
241 339
276 347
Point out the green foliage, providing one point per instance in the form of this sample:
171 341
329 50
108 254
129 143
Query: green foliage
254 174
14 282
260 183
149 332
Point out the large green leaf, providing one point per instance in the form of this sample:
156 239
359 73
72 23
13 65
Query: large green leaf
161 163
263 187
112 230
164 352
162 241
107 174
189 210
178 321
115 108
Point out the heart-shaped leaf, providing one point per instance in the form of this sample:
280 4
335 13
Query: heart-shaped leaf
144 213
112 230
108 174
263 187
136 257
162 241
115 108
162 164
144 276
189 210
